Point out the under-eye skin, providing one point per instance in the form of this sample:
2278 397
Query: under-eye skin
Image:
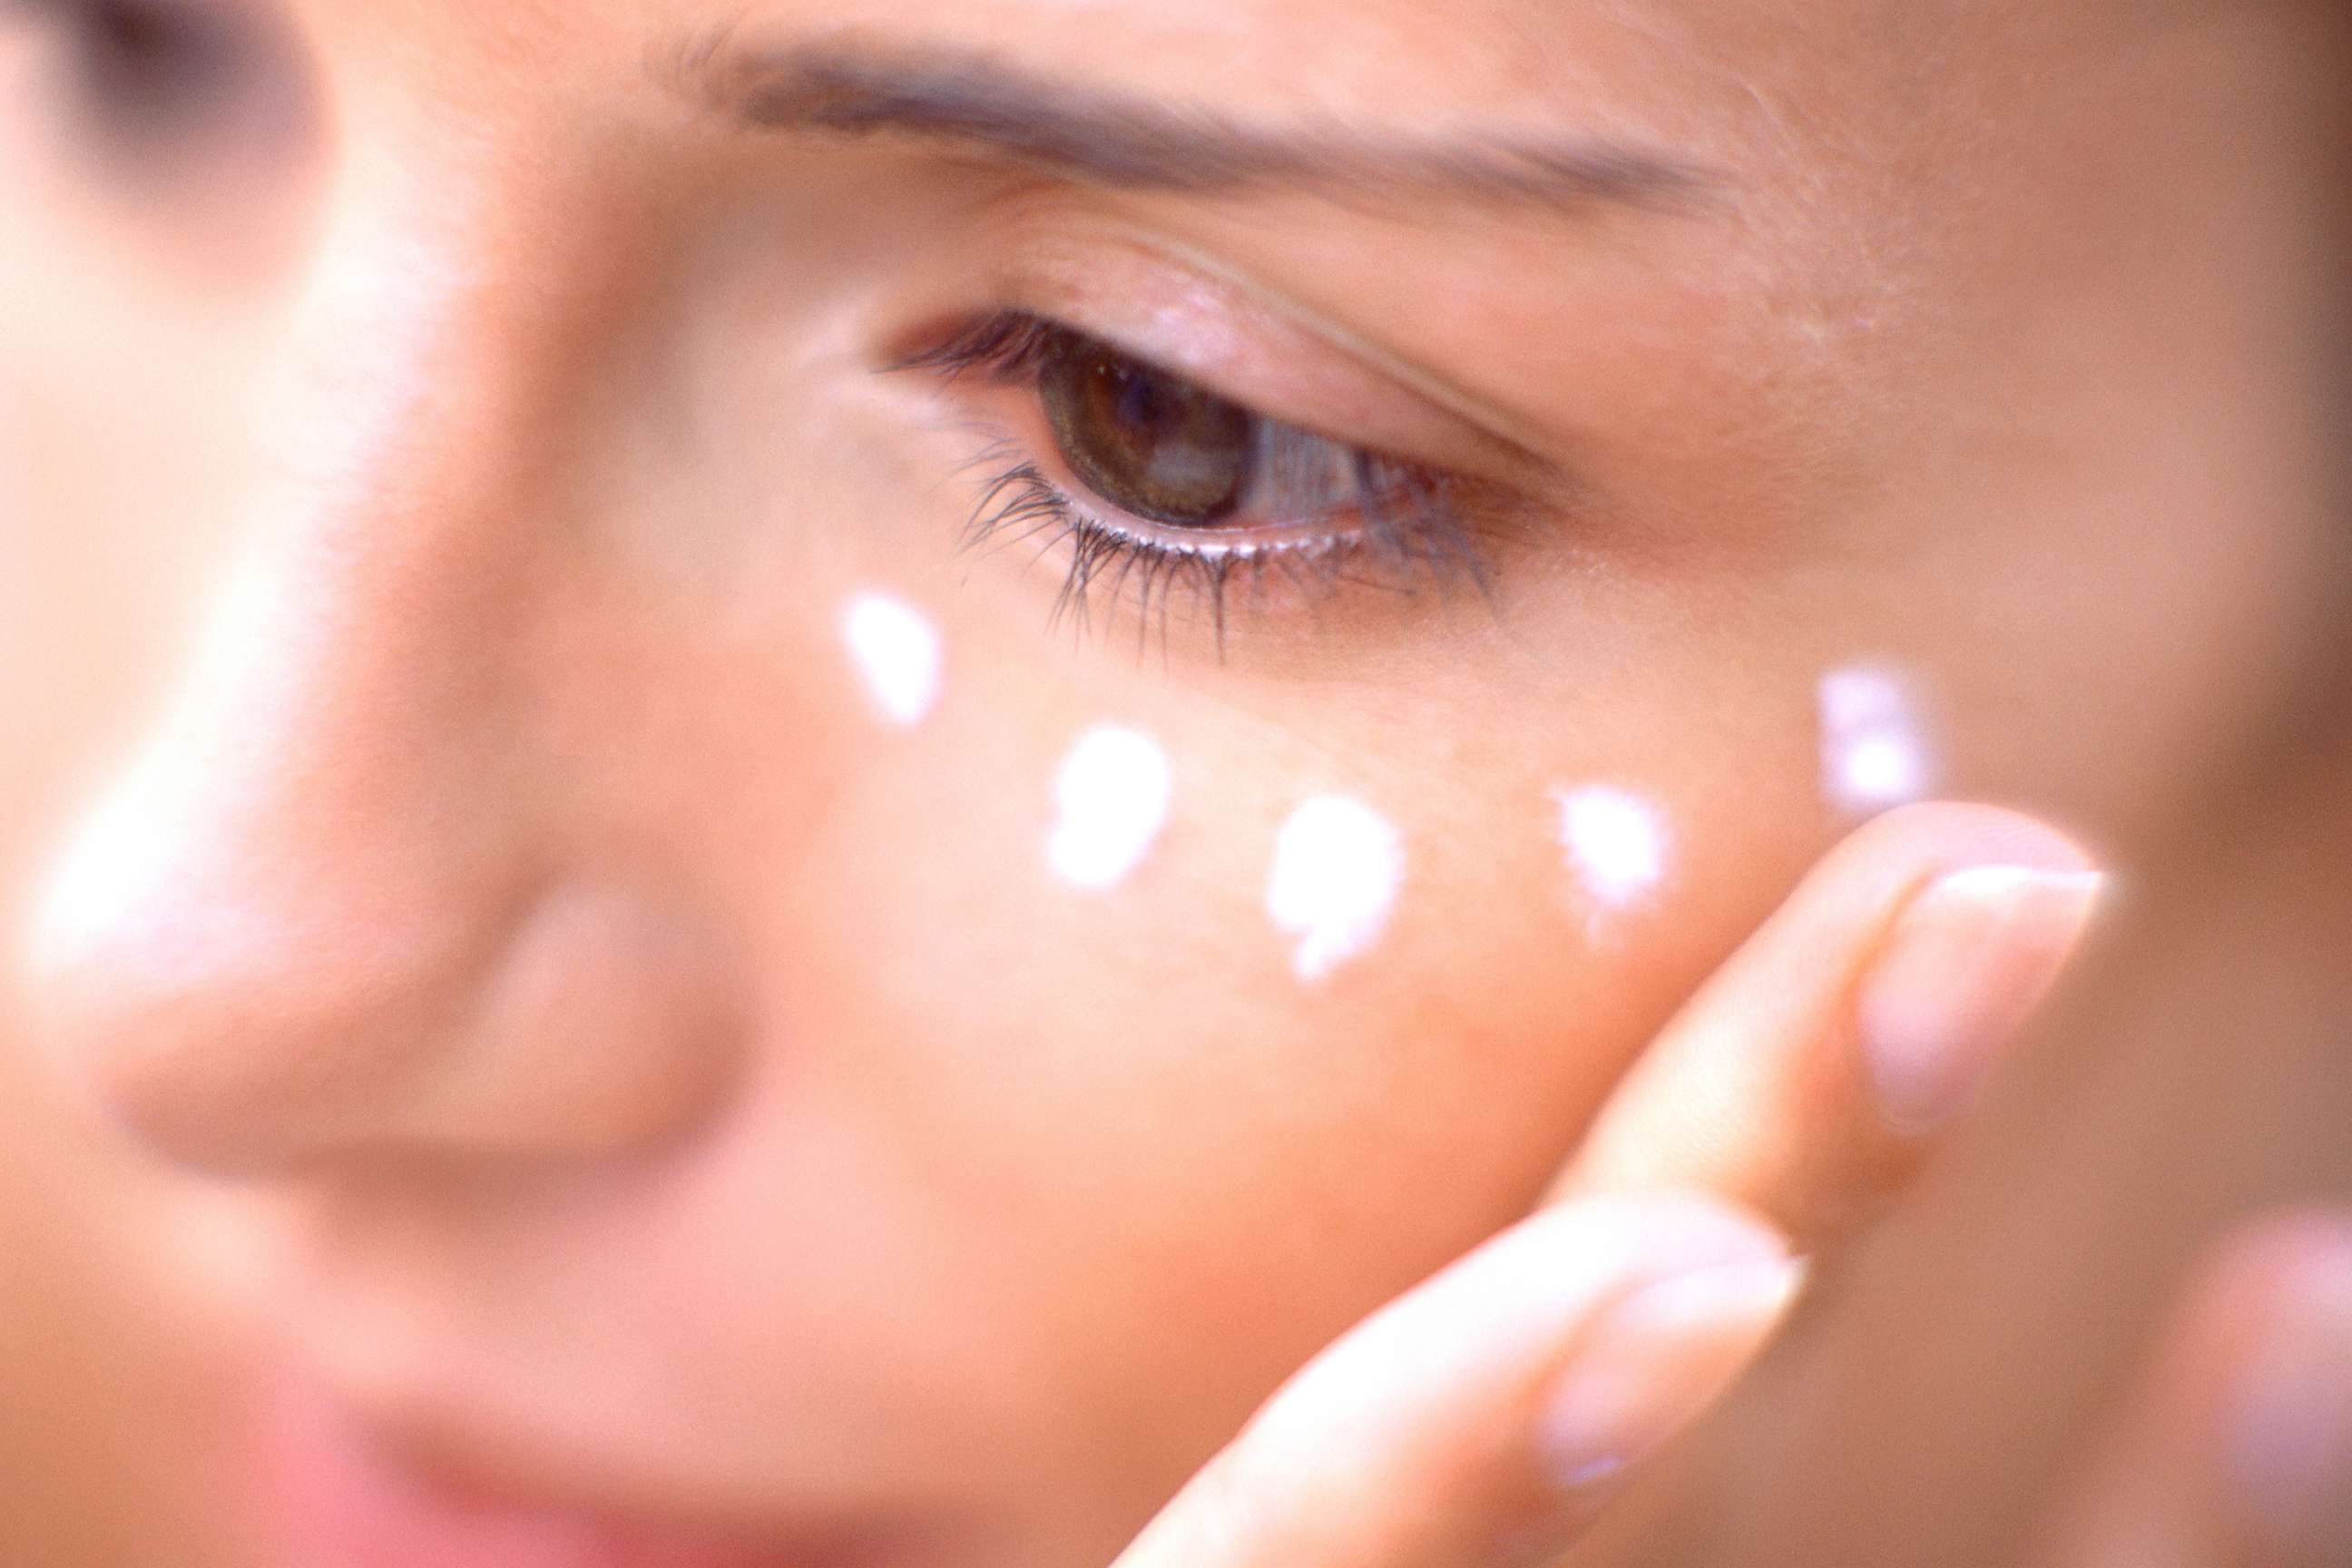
1156 486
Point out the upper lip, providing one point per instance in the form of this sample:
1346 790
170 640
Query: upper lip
465 1452
468 1400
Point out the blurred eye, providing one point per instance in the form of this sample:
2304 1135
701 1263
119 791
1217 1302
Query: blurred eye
146 62
150 81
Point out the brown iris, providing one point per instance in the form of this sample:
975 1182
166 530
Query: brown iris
1147 441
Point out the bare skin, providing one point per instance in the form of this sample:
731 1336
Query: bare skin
474 946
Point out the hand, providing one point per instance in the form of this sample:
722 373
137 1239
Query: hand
1487 1415
2235 1450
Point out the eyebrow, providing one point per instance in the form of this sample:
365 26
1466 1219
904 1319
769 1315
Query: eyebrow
974 103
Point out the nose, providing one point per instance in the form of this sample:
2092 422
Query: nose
335 902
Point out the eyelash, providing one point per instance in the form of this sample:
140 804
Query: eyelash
1415 530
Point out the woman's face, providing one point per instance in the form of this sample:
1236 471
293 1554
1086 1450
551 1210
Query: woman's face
815 770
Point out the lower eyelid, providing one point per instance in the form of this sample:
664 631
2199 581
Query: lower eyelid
1029 504
1241 536
1024 509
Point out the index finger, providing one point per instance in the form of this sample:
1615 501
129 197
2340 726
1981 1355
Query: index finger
1806 1077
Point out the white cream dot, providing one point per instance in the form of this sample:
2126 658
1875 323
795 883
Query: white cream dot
1882 769
1618 844
899 651
1337 867
1113 796
1874 755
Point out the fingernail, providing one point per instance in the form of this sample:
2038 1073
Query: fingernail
1964 966
2290 1447
1654 1360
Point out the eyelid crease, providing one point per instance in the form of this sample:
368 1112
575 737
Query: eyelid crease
1070 280
1435 494
1518 444
1014 348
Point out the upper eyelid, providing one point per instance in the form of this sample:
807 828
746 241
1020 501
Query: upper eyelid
1195 316
1007 346
1007 343
1401 449
1434 541
1268 310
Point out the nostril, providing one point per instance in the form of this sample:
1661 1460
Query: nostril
244 1005
610 1021
213 988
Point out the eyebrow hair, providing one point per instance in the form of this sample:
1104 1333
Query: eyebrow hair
974 103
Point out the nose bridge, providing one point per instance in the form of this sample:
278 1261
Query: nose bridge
322 760
281 898
294 915
312 717
424 361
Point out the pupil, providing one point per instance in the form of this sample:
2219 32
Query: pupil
1147 441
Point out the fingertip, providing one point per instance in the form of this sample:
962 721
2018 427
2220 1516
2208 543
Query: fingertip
1667 1230
1422 1424
1654 1363
1932 838
1483 1327
1965 964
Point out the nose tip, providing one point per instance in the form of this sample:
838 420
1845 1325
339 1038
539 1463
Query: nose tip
376 877
255 967
245 1015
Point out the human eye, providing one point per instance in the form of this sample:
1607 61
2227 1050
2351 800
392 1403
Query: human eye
143 86
1155 488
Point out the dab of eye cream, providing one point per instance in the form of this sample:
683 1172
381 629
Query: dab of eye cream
898 650
1872 754
1112 796
1617 844
1337 866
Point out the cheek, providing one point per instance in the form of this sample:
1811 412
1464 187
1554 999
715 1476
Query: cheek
1123 1001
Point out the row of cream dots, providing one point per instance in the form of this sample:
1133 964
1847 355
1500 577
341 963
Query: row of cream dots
1338 866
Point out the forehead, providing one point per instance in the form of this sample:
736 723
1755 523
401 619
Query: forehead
1812 106
1595 61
